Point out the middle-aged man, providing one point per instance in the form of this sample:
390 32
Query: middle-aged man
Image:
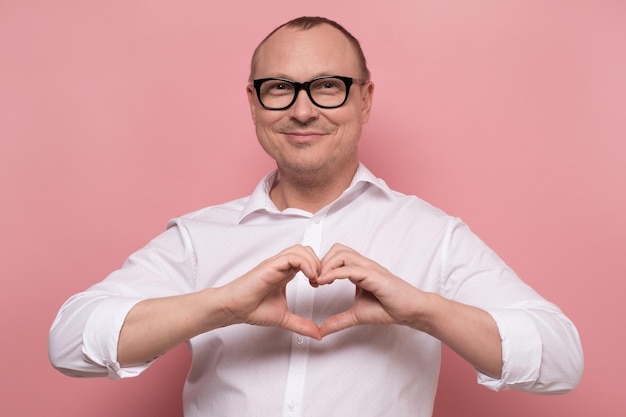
375 280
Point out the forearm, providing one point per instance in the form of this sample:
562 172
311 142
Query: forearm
154 326
469 331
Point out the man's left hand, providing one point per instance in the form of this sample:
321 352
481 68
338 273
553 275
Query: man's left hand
381 297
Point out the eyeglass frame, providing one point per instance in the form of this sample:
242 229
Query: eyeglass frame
306 86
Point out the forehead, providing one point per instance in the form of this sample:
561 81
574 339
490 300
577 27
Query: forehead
303 54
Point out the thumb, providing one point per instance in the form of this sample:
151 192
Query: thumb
338 322
300 325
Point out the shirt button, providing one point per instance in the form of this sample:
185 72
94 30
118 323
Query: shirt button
292 406
300 340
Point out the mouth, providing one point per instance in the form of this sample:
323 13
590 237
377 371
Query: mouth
302 136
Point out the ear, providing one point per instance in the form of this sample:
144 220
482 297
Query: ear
367 96
252 101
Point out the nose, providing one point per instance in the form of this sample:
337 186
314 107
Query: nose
303 109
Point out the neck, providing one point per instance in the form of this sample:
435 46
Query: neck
307 192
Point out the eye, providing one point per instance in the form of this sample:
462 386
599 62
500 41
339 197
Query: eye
276 87
329 84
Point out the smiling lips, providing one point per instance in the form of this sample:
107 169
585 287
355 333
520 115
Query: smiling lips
304 132
303 136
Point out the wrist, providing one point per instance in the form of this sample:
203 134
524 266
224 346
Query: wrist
428 308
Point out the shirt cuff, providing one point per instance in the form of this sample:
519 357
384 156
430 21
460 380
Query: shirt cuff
521 350
101 336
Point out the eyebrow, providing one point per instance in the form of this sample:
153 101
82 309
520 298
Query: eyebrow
321 74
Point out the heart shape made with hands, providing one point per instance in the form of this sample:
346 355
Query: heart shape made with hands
377 291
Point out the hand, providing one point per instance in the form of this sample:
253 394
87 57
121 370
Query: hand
381 297
259 296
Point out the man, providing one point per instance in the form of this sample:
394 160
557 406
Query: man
374 280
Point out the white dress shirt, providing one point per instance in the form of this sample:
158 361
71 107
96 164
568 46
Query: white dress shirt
365 371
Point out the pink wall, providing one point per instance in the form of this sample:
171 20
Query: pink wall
115 116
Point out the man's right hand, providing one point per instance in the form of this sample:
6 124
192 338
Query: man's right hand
259 296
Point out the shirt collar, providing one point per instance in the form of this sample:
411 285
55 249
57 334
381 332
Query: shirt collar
260 200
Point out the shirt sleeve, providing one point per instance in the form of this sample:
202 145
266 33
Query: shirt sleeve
84 336
541 348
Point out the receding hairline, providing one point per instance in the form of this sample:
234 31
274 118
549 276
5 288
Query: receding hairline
306 23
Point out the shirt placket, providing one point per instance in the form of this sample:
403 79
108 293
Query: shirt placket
303 306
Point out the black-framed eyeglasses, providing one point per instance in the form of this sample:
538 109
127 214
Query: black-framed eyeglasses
327 92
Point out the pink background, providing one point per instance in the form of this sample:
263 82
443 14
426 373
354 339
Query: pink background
116 116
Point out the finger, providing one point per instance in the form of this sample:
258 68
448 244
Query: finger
316 265
312 254
340 256
335 256
356 274
311 265
301 326
338 322
308 262
284 266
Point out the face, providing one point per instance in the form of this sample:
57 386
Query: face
307 141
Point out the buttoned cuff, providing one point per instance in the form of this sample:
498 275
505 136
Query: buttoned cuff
521 350
101 336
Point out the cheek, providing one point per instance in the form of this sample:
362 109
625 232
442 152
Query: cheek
266 137
264 120
262 135
264 131
351 117
351 128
